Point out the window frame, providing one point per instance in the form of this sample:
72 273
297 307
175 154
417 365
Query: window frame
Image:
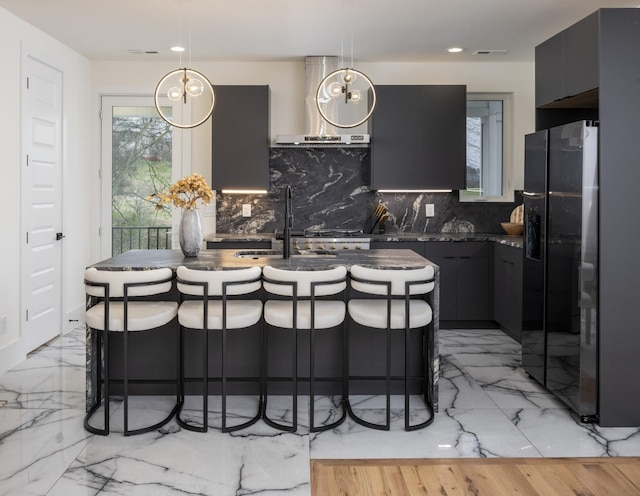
507 150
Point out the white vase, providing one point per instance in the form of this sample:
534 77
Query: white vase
190 234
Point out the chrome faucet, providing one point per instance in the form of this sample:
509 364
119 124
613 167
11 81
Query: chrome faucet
288 223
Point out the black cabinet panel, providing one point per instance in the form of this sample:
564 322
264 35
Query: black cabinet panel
465 279
473 288
581 56
418 137
417 246
448 285
568 63
549 70
238 245
507 289
240 148
444 137
396 131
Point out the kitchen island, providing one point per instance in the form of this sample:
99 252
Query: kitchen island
160 346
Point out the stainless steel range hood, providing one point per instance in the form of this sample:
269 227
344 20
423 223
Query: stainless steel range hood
318 132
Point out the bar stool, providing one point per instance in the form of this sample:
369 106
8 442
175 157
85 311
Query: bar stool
212 308
399 289
117 308
304 307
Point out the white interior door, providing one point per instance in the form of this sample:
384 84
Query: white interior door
41 202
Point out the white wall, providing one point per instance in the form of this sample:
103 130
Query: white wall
14 34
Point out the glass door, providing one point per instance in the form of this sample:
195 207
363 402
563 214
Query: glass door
140 156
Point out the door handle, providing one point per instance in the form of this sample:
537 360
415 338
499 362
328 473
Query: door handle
59 236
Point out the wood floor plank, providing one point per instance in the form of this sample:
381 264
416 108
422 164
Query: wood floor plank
477 477
632 472
415 484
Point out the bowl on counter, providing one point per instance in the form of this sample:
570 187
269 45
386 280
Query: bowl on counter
512 227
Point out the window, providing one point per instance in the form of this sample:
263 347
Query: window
488 148
139 157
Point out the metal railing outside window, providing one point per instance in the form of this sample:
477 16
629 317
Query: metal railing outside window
125 238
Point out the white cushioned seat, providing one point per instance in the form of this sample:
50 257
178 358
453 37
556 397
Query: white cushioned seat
397 278
373 313
216 278
240 314
118 278
303 278
142 315
327 314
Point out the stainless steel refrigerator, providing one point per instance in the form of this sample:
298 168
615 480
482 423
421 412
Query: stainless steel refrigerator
560 270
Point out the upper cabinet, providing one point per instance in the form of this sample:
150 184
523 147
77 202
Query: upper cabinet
418 137
568 64
240 149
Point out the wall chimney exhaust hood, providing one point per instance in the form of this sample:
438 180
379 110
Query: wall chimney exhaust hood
318 132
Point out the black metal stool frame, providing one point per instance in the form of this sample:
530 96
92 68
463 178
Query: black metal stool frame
103 338
205 361
388 297
294 359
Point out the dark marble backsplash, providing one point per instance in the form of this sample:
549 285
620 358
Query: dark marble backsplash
330 190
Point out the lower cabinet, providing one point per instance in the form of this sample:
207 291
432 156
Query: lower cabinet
480 281
465 279
507 289
417 246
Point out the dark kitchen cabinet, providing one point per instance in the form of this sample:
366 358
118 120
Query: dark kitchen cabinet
581 56
417 246
549 77
507 289
418 137
240 133
568 63
238 245
465 279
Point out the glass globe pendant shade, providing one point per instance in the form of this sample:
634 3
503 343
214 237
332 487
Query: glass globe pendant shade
193 89
335 89
355 96
338 97
349 76
174 94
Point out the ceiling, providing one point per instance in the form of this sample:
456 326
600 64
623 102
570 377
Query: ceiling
283 30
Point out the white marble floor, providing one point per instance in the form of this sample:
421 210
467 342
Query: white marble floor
488 408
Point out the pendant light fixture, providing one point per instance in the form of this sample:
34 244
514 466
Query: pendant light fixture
188 86
346 98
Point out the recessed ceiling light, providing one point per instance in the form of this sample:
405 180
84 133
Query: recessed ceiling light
177 49
455 50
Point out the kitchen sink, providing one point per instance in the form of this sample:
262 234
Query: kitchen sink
259 254
255 254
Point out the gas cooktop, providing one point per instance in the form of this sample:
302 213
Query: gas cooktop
322 233
332 233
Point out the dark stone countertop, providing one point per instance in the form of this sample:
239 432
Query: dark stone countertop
224 259
505 239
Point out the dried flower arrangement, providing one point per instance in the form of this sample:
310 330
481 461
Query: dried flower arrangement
184 193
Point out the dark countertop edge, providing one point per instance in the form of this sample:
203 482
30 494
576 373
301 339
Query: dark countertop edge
504 239
226 259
